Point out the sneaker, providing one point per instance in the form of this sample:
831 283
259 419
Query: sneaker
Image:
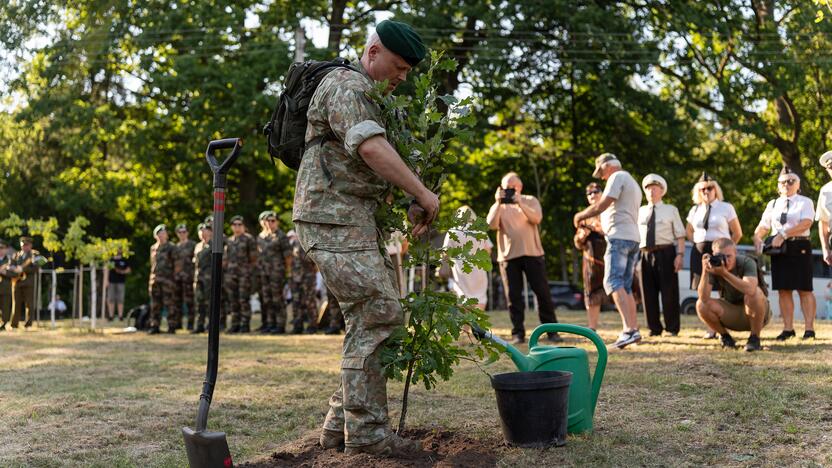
710 335
390 446
809 335
728 341
518 339
331 439
753 343
785 335
554 337
627 338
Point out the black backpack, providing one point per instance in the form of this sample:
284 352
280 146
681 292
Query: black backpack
286 130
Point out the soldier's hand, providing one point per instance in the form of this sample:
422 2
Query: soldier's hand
429 202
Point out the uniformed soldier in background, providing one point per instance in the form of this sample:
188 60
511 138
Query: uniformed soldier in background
184 277
6 276
202 276
240 263
275 261
161 281
304 285
257 281
333 315
224 307
24 285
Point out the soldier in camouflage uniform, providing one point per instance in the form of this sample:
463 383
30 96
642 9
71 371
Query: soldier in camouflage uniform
240 263
334 315
6 276
275 261
202 277
224 305
304 292
161 281
184 277
341 183
24 265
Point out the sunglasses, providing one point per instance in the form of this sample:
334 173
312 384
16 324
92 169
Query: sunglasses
707 189
592 192
787 182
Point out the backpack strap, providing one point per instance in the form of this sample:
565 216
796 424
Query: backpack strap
320 140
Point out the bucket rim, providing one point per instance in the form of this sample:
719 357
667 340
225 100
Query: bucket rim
534 380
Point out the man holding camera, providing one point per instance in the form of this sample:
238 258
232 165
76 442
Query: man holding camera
516 218
742 304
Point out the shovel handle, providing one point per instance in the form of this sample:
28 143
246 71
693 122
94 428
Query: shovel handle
220 169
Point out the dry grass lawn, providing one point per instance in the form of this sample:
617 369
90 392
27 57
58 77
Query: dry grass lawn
72 398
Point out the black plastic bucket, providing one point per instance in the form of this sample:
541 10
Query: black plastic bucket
534 407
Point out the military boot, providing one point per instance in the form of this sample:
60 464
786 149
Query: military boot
390 446
199 329
153 330
244 328
331 439
233 330
277 330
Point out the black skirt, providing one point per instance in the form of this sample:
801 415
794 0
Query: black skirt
792 270
696 254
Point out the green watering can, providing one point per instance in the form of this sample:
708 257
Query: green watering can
583 392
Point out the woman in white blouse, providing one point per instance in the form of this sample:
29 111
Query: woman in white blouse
788 220
709 219
473 284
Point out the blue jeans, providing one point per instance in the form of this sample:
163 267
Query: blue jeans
619 265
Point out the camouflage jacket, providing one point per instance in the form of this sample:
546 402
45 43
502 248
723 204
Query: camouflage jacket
202 261
274 248
161 262
241 252
183 259
26 260
334 184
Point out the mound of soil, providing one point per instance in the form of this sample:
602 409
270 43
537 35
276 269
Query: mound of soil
441 448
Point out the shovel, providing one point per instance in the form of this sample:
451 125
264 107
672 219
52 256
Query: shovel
207 449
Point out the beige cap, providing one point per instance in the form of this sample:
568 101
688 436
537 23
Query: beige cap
651 179
826 160
600 160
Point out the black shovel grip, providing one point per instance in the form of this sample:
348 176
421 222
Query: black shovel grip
222 167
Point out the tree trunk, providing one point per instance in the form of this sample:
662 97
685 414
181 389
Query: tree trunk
336 27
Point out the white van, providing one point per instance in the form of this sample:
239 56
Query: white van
822 275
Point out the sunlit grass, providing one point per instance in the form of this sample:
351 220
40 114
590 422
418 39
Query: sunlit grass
71 397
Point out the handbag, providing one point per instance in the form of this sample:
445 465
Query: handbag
769 249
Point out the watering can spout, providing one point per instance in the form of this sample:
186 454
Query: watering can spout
520 360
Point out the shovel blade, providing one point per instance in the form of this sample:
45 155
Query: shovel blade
207 449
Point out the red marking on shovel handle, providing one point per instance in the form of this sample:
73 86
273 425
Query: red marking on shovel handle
219 200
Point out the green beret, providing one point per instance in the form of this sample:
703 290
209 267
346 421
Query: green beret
159 229
402 40
236 218
181 226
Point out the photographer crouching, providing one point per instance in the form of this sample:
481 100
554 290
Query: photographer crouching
742 303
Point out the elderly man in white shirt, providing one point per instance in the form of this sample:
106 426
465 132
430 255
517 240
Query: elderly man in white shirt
788 220
662 250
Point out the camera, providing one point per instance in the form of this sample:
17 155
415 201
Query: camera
509 196
717 260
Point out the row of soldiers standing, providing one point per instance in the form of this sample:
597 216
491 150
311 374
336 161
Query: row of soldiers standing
180 279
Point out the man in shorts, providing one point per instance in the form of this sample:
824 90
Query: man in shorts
742 304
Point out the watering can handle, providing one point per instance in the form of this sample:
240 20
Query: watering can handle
600 366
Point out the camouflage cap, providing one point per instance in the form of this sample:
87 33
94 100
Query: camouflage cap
159 229
25 240
181 227
236 218
826 160
263 215
209 220
200 226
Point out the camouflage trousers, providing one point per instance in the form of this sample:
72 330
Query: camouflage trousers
363 282
305 301
24 303
272 303
5 302
161 295
183 293
202 297
238 294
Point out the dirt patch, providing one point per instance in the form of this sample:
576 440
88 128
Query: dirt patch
441 448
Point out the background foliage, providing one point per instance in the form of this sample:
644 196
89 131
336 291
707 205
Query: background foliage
108 106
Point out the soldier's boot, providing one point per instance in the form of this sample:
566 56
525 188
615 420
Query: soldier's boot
244 328
297 328
311 330
153 330
331 439
199 329
390 446
3 327
234 329
278 330
332 330
190 322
